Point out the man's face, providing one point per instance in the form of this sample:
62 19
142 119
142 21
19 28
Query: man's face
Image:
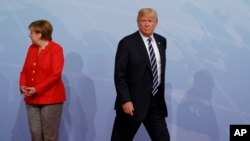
147 25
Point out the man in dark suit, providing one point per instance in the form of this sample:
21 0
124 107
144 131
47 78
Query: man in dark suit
138 101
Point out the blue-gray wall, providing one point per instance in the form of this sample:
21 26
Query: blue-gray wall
207 75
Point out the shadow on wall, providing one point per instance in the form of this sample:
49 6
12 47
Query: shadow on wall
4 91
195 116
80 108
170 103
20 129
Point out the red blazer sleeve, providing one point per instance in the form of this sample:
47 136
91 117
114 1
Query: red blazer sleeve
23 76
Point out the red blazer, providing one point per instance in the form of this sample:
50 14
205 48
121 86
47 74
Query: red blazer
44 72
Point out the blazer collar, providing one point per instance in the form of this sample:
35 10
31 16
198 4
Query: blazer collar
143 50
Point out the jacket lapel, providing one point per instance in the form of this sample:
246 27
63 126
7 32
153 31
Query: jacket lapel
159 45
143 50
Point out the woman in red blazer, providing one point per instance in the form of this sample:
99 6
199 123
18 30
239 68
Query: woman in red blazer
41 82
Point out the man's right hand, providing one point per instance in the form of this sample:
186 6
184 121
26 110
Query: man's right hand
128 108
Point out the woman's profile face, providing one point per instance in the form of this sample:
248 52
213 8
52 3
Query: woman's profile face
34 36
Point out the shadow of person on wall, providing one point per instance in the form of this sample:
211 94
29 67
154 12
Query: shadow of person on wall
195 117
81 90
20 129
170 102
66 123
4 92
171 107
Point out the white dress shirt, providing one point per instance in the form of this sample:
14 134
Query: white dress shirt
157 53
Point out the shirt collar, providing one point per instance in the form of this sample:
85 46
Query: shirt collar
144 38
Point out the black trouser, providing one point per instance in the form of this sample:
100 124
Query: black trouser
125 128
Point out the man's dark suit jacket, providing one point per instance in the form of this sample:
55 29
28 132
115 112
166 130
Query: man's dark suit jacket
133 74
